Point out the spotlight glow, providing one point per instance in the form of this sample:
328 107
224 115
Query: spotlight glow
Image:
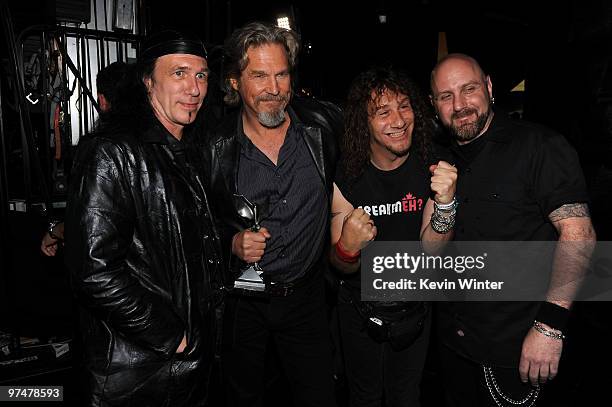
283 22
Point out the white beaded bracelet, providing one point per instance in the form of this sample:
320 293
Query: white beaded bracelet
448 206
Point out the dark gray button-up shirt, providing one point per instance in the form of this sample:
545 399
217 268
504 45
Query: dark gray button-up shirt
293 203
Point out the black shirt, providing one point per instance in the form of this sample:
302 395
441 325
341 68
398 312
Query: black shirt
394 200
522 173
189 162
506 191
293 200
178 148
470 151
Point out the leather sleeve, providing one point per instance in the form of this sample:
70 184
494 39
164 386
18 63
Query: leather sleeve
335 118
99 229
224 212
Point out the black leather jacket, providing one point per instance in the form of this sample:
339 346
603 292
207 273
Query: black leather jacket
322 124
143 257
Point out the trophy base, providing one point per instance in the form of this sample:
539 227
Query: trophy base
249 285
250 280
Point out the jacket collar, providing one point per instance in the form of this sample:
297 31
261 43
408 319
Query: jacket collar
230 154
314 141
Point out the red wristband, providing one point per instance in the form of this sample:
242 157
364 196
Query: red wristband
345 256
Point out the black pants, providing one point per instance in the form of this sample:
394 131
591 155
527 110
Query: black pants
465 385
374 371
298 327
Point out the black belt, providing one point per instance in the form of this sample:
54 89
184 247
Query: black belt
280 289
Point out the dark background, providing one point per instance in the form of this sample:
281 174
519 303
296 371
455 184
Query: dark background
561 49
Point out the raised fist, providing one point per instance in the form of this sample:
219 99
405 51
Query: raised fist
443 181
357 230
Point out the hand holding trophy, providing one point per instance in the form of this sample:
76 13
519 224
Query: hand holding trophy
249 245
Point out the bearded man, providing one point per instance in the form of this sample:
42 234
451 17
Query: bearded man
276 152
517 182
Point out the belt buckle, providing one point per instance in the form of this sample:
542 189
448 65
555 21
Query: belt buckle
279 290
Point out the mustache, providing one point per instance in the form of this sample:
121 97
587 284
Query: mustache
464 113
272 98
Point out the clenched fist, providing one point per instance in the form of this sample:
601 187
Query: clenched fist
249 246
443 181
357 228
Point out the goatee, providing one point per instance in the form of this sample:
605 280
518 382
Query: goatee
468 131
276 117
271 119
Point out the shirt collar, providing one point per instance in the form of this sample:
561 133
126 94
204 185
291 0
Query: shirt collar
496 131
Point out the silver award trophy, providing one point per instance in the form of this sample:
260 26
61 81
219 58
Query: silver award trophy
250 278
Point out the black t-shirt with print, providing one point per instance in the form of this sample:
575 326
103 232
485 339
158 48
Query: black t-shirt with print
394 199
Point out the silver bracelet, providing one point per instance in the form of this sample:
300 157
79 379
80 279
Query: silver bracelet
547 332
443 217
442 224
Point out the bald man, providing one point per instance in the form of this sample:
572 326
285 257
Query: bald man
520 182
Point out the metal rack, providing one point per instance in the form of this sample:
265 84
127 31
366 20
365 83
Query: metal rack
49 92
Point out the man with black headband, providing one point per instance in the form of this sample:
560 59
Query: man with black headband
276 152
141 245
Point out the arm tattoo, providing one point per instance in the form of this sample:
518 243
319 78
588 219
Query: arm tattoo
575 210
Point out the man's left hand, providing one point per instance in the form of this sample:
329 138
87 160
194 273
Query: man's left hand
443 181
539 357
